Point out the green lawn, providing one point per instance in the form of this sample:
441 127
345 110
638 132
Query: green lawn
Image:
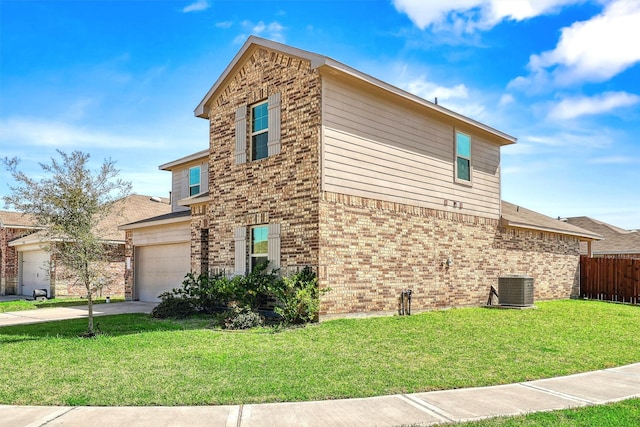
21 305
142 361
619 414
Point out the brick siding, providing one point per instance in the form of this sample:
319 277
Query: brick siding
372 250
282 188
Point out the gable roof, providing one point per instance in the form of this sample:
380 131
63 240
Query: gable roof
204 154
12 219
170 218
321 63
519 217
131 208
616 240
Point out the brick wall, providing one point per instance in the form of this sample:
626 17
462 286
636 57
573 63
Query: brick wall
128 265
199 239
283 188
9 259
372 250
64 283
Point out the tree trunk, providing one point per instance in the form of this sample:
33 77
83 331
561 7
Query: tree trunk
90 307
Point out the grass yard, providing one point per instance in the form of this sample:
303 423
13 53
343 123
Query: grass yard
619 414
21 305
142 361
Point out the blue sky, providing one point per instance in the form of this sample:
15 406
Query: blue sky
120 80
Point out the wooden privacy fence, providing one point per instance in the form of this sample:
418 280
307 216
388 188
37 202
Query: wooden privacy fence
611 279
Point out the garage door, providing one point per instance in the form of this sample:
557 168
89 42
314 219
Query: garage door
160 268
35 271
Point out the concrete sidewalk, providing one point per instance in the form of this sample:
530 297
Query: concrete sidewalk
75 312
430 408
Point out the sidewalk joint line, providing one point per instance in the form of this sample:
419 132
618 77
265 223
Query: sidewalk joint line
239 423
51 417
559 394
427 408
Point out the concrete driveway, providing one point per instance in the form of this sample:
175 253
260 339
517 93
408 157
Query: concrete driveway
75 312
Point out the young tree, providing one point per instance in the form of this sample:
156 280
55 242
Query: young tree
70 203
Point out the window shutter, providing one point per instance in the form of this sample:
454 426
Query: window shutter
204 177
241 135
241 251
273 145
273 245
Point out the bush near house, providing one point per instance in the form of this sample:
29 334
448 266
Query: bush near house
238 299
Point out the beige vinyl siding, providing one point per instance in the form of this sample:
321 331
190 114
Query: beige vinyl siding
375 147
180 183
162 234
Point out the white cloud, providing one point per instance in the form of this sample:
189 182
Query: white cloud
506 99
45 133
571 108
454 97
614 160
429 90
224 24
272 31
568 141
197 6
470 15
589 51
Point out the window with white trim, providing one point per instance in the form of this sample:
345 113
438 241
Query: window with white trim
463 157
194 180
259 249
259 130
264 135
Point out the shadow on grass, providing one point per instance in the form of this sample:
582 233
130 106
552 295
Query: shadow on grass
114 325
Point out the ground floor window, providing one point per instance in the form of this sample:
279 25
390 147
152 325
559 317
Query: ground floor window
259 245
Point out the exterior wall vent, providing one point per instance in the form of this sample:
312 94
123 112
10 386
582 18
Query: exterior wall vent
515 290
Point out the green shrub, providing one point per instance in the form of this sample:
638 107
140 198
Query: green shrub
208 294
243 318
255 287
298 297
173 306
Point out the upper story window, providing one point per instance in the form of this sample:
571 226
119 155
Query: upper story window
264 130
194 180
259 131
463 157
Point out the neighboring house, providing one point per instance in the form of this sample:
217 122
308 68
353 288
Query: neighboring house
616 241
31 266
13 225
312 162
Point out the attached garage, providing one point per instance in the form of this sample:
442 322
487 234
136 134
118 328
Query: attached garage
34 273
161 249
160 268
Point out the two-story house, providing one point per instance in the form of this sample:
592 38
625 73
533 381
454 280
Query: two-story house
312 162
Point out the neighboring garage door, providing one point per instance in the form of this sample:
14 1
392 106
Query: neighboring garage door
35 271
160 268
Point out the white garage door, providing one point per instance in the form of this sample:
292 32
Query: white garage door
35 271
160 268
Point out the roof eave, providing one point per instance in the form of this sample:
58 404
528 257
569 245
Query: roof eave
186 159
582 236
321 62
175 220
505 138
315 59
194 200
